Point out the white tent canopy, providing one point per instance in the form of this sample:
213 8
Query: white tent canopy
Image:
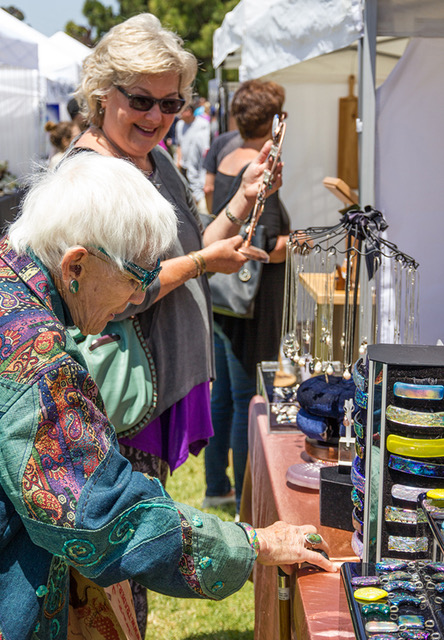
275 35
401 172
52 61
35 72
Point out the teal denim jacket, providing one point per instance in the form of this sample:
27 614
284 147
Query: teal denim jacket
67 496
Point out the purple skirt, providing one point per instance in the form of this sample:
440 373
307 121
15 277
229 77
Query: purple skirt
182 429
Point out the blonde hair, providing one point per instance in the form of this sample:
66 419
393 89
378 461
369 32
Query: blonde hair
137 47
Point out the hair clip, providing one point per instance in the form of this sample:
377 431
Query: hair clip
394 576
436 577
357 544
437 567
359 449
389 564
359 380
414 418
408 494
439 588
357 523
399 585
400 598
415 467
405 544
419 448
415 634
381 626
370 594
404 516
418 391
435 494
357 500
379 608
357 478
411 621
359 429
361 398
365 581
434 509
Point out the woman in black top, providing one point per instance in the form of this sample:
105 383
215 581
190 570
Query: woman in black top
241 343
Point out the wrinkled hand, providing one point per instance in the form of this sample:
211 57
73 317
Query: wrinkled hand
252 177
222 256
282 544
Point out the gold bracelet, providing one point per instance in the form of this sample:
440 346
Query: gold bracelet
196 262
201 259
235 220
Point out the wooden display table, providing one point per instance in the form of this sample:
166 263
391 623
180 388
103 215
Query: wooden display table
319 608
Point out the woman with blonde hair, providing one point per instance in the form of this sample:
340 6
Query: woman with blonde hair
136 80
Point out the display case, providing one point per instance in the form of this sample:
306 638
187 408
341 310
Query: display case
280 401
397 591
404 451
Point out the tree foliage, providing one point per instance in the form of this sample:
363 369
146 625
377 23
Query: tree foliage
13 11
193 20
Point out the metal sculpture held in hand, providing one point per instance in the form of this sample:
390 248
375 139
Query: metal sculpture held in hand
278 132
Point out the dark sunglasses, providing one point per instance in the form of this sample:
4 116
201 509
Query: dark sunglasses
146 103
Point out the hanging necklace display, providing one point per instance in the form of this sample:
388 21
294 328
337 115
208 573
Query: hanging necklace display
278 133
380 282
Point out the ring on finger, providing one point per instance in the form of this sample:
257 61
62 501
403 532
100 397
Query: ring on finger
312 540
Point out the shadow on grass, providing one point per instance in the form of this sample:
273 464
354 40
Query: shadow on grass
222 635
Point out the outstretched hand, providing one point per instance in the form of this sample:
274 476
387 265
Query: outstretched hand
284 545
222 256
253 175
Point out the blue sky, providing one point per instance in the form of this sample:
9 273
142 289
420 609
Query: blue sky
50 16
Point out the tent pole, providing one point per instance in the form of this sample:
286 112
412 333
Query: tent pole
367 104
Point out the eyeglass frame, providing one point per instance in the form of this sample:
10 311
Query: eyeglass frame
144 277
131 96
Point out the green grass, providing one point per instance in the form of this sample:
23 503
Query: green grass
180 619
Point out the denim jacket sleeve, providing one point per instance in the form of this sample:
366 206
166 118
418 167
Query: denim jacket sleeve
80 500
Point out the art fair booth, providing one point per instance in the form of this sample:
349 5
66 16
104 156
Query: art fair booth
37 77
377 496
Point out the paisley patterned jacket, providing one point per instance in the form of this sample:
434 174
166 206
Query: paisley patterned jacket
67 496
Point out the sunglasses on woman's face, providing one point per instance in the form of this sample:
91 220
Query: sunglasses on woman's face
146 103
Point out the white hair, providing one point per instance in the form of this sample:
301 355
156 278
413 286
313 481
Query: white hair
94 200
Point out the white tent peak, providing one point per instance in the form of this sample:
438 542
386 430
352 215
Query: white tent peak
272 37
70 45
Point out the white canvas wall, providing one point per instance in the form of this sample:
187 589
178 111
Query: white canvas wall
21 117
409 170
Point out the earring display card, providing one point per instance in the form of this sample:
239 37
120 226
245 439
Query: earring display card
404 449
395 599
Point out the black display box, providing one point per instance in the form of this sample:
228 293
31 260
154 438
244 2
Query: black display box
335 499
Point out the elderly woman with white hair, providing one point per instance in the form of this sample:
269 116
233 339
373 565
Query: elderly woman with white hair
71 507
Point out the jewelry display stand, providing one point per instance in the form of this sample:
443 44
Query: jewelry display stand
404 451
332 311
397 591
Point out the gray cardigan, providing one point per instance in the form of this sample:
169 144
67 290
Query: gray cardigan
178 328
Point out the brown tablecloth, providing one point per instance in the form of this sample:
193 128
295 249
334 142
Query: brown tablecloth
319 608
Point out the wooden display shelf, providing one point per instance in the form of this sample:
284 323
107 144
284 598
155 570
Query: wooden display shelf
318 285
